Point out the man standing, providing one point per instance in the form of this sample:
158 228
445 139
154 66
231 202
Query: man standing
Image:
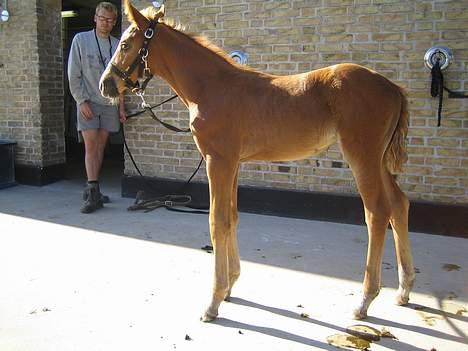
90 53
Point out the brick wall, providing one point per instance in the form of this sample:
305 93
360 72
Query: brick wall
31 82
281 37
286 37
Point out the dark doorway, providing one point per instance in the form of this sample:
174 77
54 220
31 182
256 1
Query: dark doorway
79 17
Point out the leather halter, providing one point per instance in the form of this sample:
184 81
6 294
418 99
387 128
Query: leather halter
142 58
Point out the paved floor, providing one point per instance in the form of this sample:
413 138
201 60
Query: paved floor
118 280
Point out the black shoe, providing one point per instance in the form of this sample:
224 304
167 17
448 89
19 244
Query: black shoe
93 201
105 199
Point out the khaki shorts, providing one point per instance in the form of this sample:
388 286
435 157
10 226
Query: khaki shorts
105 117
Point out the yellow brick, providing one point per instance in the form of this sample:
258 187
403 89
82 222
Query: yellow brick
448 190
450 152
278 22
343 57
457 133
357 28
397 8
445 142
418 170
330 47
420 150
342 38
364 47
278 177
331 11
307 21
235 8
447 25
425 15
363 10
387 57
441 181
387 36
448 162
424 26
451 15
452 172
331 29
208 10
416 188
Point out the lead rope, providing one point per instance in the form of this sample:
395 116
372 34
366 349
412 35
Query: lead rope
437 89
148 108
142 200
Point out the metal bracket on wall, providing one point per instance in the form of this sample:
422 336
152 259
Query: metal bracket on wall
158 3
441 54
4 14
437 59
239 56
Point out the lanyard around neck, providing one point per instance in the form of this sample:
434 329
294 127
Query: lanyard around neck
99 48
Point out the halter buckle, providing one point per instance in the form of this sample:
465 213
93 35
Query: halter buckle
143 53
149 32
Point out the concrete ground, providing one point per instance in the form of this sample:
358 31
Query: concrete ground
119 280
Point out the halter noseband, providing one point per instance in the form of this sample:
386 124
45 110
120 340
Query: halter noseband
142 58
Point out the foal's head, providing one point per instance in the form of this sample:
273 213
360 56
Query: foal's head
126 65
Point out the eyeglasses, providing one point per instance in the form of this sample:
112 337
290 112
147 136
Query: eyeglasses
106 19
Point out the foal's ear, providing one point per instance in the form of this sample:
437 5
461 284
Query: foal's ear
134 16
161 12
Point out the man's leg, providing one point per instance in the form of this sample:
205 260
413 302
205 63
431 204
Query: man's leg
95 142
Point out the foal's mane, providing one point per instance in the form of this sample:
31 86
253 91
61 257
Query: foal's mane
151 14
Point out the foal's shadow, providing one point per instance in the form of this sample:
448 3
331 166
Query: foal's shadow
390 343
277 333
445 314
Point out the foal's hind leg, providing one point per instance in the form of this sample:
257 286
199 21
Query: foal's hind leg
399 222
368 175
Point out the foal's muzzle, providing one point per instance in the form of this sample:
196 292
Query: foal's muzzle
108 87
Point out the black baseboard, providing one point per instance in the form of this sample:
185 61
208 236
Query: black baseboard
425 217
39 176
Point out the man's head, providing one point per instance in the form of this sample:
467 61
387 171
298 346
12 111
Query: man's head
105 18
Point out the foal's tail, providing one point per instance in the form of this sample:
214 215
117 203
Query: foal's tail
396 155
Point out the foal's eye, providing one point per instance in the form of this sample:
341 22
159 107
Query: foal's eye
124 46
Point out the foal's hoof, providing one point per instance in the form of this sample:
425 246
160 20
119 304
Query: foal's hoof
358 315
208 317
402 297
401 300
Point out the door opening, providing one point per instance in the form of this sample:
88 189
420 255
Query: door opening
78 16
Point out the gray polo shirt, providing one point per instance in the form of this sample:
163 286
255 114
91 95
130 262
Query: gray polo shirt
85 67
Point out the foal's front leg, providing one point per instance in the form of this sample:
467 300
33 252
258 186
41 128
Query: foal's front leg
221 179
232 247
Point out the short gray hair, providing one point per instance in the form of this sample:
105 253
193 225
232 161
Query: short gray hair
107 6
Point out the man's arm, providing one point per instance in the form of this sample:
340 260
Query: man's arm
75 73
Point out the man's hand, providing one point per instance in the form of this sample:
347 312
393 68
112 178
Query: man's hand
86 111
122 113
